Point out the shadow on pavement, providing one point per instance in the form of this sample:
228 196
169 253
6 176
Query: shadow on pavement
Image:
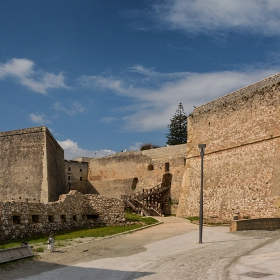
36 269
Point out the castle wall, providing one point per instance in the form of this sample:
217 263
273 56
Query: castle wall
21 164
55 169
23 219
128 172
242 156
76 176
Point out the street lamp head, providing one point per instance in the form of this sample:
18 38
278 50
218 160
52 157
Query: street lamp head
202 146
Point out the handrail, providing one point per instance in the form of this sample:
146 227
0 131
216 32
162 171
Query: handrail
138 198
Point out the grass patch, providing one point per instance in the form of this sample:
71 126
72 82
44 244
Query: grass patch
194 218
39 250
82 233
142 219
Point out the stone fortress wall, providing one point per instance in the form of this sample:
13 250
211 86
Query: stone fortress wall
242 157
55 169
128 172
31 165
77 176
242 169
21 219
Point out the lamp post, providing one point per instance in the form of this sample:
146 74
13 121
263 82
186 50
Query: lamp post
201 147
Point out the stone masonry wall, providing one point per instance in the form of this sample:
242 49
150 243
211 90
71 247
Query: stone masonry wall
129 172
31 165
55 169
242 157
21 164
255 224
23 219
76 176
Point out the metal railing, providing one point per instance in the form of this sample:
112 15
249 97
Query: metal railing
15 253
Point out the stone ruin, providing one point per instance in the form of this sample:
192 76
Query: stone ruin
72 210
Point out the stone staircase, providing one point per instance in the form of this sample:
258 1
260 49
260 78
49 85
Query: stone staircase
149 202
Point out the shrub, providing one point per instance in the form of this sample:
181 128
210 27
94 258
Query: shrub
148 146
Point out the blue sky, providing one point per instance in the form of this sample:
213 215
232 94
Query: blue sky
108 75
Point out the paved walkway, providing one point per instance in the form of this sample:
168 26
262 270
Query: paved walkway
168 253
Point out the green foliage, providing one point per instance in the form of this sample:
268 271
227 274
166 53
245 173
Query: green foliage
148 146
178 127
39 249
60 244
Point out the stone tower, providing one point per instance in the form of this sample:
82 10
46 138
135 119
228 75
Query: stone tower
31 166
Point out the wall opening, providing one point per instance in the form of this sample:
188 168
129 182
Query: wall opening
150 167
81 178
69 168
167 167
166 183
134 183
74 218
63 218
166 180
69 178
185 161
35 219
51 219
92 217
16 220
81 170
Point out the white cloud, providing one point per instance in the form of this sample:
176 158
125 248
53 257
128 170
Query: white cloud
139 76
76 107
39 119
22 70
136 146
152 108
204 16
103 83
108 119
72 151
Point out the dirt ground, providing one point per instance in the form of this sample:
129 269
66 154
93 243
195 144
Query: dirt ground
166 251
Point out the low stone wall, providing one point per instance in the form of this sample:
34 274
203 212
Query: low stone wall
253 224
72 210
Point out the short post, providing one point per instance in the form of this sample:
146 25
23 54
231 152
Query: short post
201 147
